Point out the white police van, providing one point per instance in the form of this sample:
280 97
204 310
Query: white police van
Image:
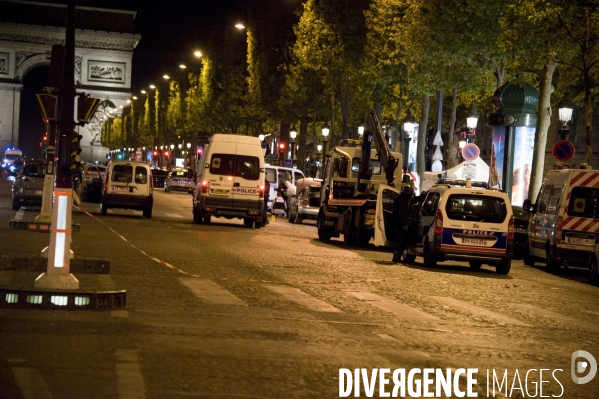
459 220
230 180
564 225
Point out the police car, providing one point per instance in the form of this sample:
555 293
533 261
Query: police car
466 221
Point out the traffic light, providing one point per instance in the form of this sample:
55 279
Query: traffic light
74 150
281 153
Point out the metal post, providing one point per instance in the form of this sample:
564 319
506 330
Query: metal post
508 161
58 274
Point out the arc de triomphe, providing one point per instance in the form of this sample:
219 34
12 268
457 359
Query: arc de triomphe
104 44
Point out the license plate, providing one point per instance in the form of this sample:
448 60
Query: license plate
220 191
474 241
39 192
583 241
120 188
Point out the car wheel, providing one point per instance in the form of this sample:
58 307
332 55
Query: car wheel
594 272
299 219
197 215
504 267
247 222
104 208
324 233
475 264
430 260
552 264
148 212
207 219
16 205
257 224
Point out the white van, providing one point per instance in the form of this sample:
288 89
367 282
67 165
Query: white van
277 175
230 180
564 226
128 186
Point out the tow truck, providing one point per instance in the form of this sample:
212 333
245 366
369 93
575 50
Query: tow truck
359 185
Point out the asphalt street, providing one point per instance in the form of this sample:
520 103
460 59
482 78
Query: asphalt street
223 311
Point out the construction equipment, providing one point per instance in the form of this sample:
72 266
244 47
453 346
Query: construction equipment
359 186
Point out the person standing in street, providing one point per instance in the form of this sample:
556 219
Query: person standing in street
402 213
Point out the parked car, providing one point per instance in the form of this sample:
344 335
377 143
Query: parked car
180 180
276 176
28 187
128 186
93 182
458 222
306 203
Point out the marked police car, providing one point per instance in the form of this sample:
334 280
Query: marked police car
179 180
459 220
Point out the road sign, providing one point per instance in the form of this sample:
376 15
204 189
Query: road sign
563 150
288 163
470 152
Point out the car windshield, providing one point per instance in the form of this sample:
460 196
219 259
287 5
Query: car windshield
246 167
34 171
584 202
476 208
375 166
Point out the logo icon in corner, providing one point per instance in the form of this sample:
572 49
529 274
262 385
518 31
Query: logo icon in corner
582 366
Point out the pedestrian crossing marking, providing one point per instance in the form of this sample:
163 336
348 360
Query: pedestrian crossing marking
211 292
478 311
303 299
400 310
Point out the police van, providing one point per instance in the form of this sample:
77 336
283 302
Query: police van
230 179
564 225
466 221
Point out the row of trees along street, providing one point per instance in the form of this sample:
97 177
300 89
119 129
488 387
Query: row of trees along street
330 61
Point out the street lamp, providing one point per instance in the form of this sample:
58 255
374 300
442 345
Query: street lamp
565 107
325 135
319 148
293 135
261 137
360 131
408 130
471 122
240 26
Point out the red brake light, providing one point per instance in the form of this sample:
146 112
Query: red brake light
205 186
260 191
558 230
510 229
305 203
439 222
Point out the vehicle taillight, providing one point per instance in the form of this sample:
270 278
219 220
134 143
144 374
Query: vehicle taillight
106 182
205 186
306 203
558 230
510 229
439 222
260 191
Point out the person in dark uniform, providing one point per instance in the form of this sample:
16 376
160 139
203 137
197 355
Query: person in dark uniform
402 213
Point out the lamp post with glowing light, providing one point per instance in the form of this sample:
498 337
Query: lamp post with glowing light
292 135
565 109
471 123
325 135
319 148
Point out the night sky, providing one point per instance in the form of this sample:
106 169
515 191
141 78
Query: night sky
171 31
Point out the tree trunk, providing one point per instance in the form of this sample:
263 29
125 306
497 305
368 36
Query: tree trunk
588 110
301 142
451 144
344 99
543 121
421 148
